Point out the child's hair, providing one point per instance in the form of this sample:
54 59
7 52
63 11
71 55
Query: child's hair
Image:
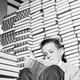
54 40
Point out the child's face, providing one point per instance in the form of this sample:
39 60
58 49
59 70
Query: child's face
52 52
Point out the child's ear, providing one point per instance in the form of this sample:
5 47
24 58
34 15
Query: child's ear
61 51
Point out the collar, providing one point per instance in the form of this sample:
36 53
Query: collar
62 65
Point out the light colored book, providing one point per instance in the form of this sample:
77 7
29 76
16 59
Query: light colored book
75 3
23 53
70 41
49 8
47 4
48 17
68 34
7 61
9 67
50 21
38 51
49 11
63 7
64 15
38 25
49 24
26 2
69 37
8 79
26 5
35 3
8 56
35 19
35 23
66 24
65 21
67 30
73 59
72 54
63 28
9 73
59 2
70 44
27 22
74 10
75 13
71 51
43 1
75 17
38 31
71 48
22 20
55 28
74 62
36 15
36 8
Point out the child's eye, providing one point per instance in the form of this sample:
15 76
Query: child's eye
51 51
44 54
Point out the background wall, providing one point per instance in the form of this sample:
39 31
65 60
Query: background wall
3 9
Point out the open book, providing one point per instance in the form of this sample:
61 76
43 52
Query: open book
35 65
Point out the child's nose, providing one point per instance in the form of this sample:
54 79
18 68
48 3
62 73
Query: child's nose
48 57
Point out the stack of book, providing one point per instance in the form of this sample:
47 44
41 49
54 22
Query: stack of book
75 13
67 31
23 34
37 26
8 21
50 18
8 36
8 66
35 6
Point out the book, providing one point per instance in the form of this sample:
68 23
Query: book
64 15
73 59
70 44
8 56
69 37
71 55
8 79
47 4
59 2
61 7
65 21
75 10
75 13
71 48
70 41
36 8
35 3
75 3
49 8
7 62
36 66
9 73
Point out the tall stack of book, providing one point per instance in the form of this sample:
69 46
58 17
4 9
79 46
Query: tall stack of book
37 26
67 31
23 34
75 13
8 66
8 36
50 18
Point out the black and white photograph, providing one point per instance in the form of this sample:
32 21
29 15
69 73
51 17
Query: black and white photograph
39 39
